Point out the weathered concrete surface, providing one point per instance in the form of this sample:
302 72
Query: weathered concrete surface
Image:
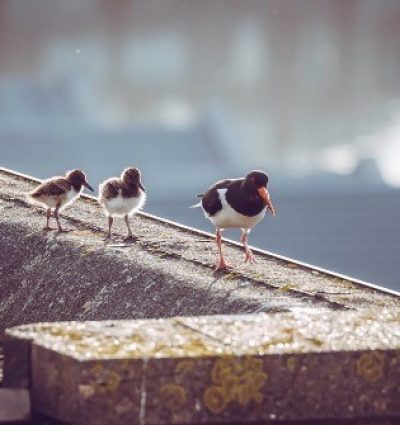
40 420
217 369
167 272
14 405
17 367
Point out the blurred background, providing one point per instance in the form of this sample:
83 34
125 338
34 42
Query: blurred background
194 91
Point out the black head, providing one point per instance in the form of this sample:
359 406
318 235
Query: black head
132 176
256 179
78 179
256 182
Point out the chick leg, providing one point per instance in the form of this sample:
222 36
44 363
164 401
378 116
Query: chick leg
56 211
110 223
48 215
129 236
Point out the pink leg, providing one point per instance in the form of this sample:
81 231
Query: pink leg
60 229
249 255
110 222
129 236
48 215
221 265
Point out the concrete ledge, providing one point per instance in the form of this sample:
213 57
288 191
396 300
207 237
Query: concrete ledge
217 369
324 348
14 406
168 272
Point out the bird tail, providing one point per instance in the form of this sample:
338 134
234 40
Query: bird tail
32 198
198 205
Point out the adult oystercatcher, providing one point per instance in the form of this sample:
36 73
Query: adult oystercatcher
57 193
122 197
237 203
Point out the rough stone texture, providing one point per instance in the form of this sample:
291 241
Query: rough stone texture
17 354
1 365
217 369
167 272
43 420
14 406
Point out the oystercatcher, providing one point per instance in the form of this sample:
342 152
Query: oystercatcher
237 203
57 193
122 197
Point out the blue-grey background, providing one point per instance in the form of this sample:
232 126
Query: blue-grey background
195 91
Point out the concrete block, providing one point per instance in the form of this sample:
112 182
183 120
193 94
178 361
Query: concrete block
16 362
218 369
14 405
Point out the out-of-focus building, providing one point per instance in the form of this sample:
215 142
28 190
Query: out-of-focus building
196 91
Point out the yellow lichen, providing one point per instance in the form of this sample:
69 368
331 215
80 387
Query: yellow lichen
173 397
105 380
235 379
286 287
371 366
87 391
184 367
215 400
89 250
231 276
291 363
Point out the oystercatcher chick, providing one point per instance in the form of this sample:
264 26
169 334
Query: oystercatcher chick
57 193
122 197
237 203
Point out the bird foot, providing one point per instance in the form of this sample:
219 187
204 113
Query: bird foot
130 238
223 266
48 229
249 257
62 230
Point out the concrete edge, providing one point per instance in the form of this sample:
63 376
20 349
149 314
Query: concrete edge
262 252
193 386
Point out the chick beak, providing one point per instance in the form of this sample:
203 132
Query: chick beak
86 184
142 187
263 192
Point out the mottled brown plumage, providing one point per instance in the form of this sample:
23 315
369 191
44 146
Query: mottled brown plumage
58 192
115 187
52 187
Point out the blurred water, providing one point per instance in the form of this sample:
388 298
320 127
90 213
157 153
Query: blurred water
192 92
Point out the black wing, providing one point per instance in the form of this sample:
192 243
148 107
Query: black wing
210 199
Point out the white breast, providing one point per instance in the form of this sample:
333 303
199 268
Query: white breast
70 196
227 217
51 201
122 206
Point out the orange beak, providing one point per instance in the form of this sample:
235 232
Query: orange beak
263 192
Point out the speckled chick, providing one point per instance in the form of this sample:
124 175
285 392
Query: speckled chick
57 193
122 196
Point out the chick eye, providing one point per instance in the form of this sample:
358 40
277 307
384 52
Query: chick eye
253 179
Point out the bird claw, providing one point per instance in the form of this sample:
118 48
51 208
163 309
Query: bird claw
250 258
223 266
48 229
60 230
130 238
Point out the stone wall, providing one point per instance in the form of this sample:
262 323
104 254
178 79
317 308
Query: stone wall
167 272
